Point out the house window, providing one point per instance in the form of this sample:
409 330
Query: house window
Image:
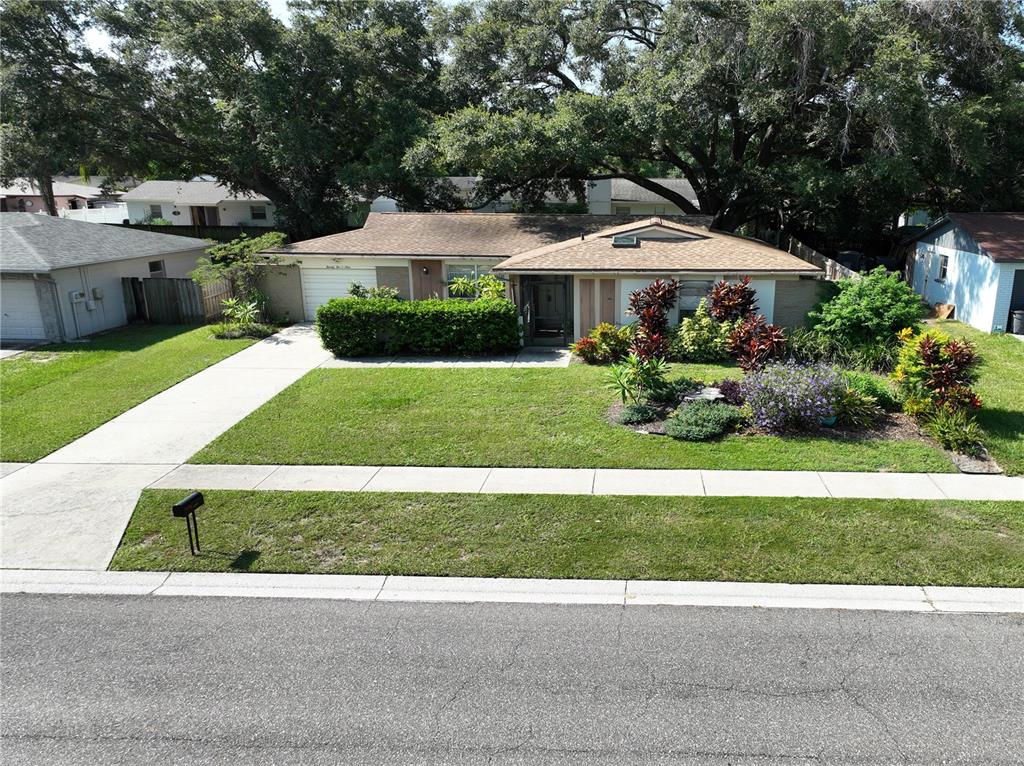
258 212
467 270
690 296
155 211
622 210
659 210
943 268
156 268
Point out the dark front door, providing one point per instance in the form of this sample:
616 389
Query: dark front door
547 312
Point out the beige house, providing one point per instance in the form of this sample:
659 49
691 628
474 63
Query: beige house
565 272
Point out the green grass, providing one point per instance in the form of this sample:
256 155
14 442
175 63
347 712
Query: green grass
1001 388
502 417
562 536
51 396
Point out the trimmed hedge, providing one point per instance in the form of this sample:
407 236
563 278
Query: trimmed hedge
366 326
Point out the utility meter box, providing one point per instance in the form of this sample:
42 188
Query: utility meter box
97 293
76 296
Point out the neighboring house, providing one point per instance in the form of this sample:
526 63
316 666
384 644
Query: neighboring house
197 203
974 261
24 196
565 272
61 279
610 196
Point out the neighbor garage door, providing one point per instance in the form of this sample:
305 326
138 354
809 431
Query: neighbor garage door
320 285
19 306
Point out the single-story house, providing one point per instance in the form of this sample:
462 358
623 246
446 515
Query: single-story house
197 203
617 196
974 261
567 273
60 279
23 195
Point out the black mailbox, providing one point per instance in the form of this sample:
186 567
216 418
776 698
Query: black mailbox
186 509
188 505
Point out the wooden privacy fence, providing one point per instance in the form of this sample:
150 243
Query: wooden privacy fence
164 300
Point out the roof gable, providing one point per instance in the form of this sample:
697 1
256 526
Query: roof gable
1000 236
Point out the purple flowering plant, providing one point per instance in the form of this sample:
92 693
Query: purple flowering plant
790 396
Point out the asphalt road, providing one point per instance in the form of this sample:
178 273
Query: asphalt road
127 680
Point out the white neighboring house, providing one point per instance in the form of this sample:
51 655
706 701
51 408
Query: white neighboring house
974 261
60 279
197 203
610 196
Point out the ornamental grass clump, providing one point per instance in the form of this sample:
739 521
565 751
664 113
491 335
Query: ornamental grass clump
788 396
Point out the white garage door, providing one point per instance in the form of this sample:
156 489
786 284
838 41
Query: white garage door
320 285
19 307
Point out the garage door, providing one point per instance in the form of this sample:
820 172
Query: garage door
320 285
19 307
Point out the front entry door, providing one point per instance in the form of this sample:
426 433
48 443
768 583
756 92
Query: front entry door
548 308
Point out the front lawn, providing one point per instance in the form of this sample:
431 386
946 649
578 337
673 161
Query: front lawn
698 538
51 396
1001 388
501 417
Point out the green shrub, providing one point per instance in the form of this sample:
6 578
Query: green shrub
605 343
936 372
634 414
672 391
955 430
869 310
381 291
857 409
232 330
363 326
702 420
817 347
700 338
871 385
636 378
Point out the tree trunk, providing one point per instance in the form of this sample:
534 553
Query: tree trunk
45 181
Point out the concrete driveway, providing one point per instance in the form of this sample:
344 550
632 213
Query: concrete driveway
69 510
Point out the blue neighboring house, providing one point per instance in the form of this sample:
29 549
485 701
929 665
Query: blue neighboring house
974 261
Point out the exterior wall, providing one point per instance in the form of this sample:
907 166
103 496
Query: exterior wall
34 203
644 208
794 298
283 285
105 310
972 282
231 212
1004 295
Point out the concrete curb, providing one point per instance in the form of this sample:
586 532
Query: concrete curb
888 598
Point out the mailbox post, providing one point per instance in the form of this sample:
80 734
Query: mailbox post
186 509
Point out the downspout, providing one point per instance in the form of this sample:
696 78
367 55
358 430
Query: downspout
60 313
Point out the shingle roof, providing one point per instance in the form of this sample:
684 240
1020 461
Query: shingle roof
1001 235
627 191
30 242
493 235
695 250
187 193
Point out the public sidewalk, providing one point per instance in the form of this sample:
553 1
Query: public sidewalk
510 590
69 510
600 481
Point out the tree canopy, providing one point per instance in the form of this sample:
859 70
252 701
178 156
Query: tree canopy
825 118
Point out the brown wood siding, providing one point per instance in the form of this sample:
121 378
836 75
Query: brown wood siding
586 306
793 299
429 284
396 277
608 301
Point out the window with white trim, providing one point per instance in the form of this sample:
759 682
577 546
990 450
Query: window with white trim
258 212
156 211
622 210
469 271
690 295
943 268
156 269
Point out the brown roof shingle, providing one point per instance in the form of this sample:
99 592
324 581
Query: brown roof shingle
1000 234
699 250
493 235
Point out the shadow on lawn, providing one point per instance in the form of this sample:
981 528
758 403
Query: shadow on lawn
130 338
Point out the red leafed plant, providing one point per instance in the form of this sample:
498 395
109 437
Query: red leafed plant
651 306
729 301
754 342
950 369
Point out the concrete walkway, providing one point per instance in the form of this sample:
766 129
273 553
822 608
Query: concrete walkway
512 590
600 481
528 358
69 510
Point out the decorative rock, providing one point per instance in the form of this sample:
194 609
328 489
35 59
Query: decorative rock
710 393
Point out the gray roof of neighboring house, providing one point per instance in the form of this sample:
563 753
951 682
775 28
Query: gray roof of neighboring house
627 191
187 193
24 187
33 243
489 235
1000 235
